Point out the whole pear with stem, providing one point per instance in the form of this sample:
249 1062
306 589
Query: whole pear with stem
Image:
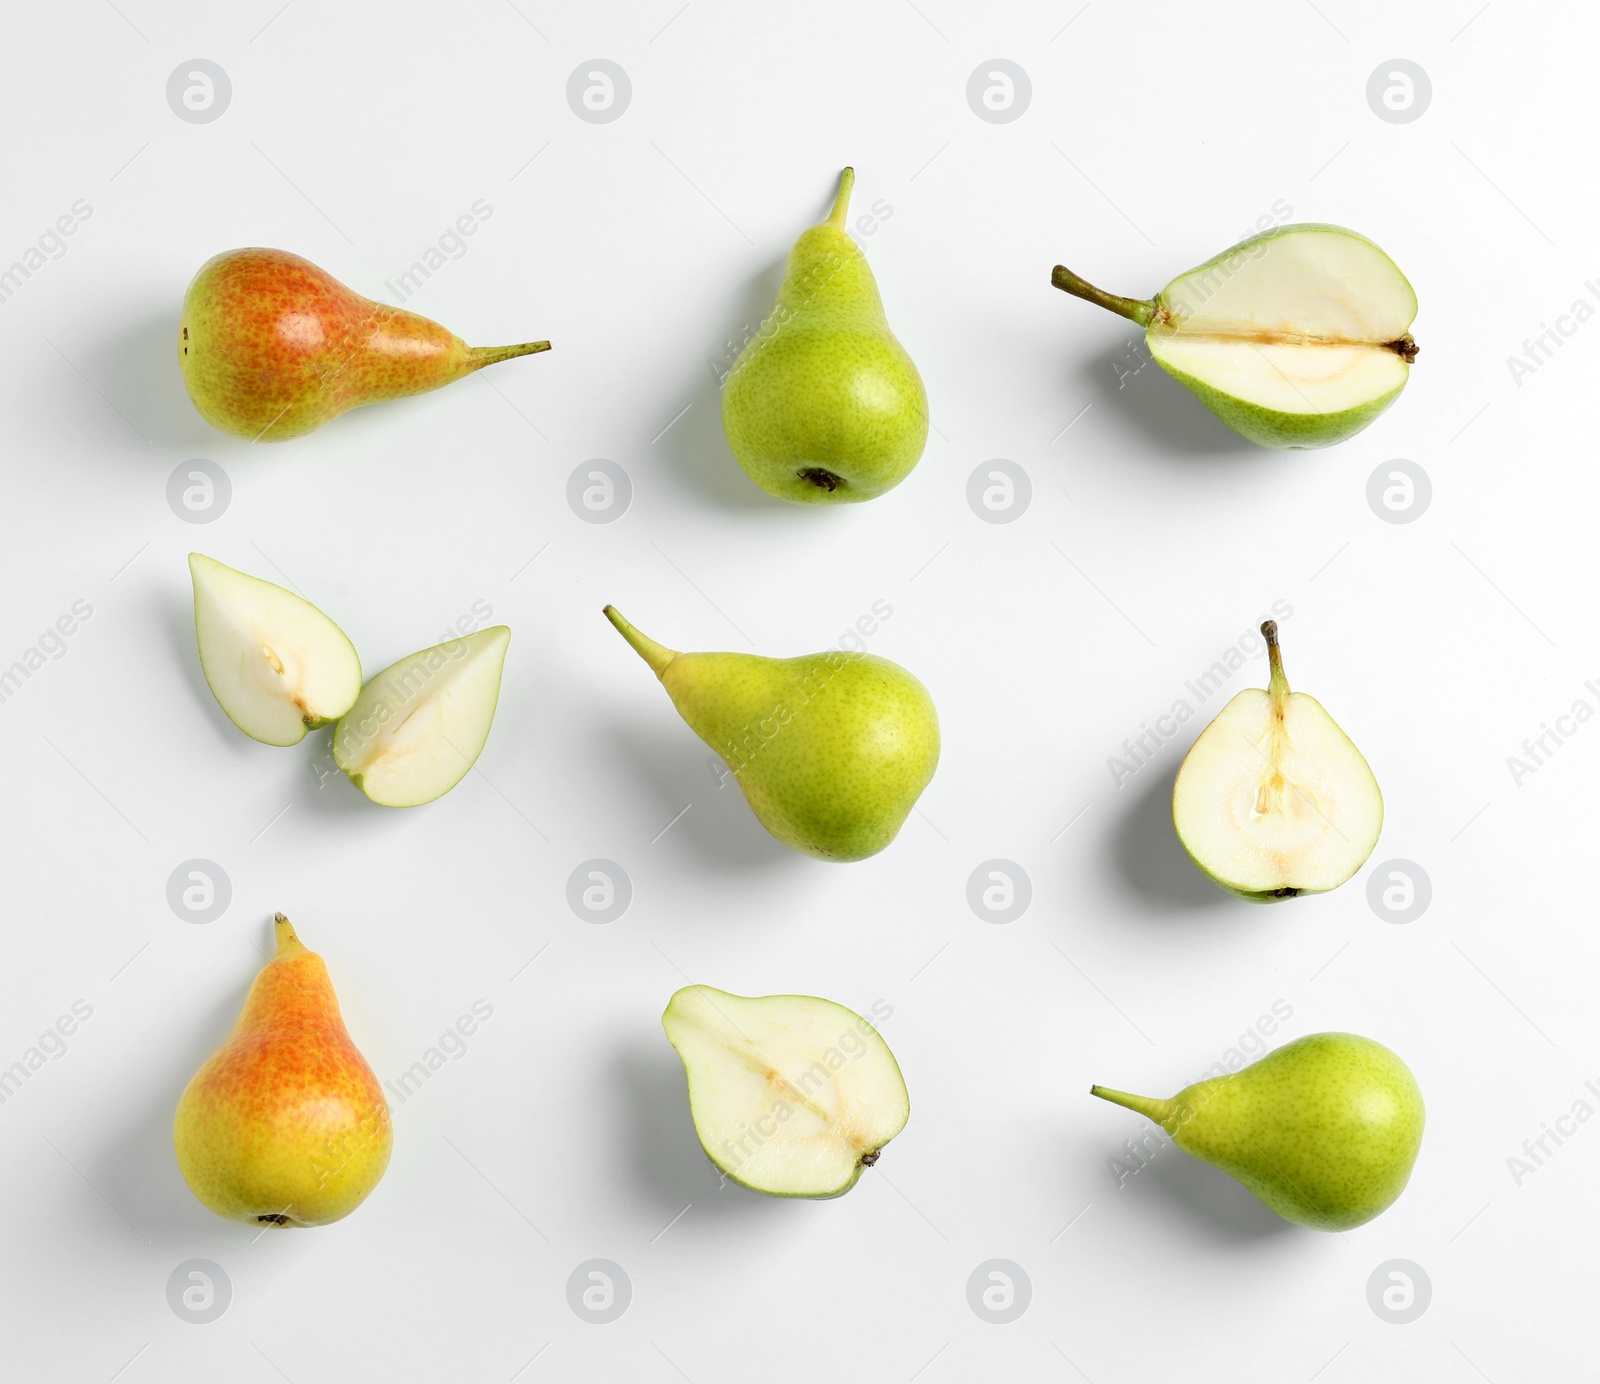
832 750
273 347
823 405
285 1124
1324 1130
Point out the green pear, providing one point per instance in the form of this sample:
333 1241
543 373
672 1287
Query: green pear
1273 801
1298 337
420 724
1324 1130
272 347
823 405
285 1124
791 1095
832 750
275 663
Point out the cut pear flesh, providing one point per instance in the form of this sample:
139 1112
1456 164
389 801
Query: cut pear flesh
1282 377
791 1095
1273 800
1298 337
275 663
420 724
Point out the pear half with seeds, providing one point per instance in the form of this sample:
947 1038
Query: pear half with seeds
791 1095
1296 338
275 663
420 724
1273 801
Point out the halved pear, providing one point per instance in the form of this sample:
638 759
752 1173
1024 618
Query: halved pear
275 663
1273 801
421 723
791 1095
1296 338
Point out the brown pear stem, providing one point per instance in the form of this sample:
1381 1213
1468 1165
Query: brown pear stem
480 356
1136 309
1279 684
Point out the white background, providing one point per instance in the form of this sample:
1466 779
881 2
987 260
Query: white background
1154 540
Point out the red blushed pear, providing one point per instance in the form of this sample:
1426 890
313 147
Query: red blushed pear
285 1124
273 347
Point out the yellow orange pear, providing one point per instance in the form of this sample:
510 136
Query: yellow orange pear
272 347
285 1124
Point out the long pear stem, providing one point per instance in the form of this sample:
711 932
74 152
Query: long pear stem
1139 310
658 656
841 203
1159 1111
1279 684
480 356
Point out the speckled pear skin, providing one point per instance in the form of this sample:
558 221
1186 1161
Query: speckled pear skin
272 347
285 1124
823 405
1324 1130
832 750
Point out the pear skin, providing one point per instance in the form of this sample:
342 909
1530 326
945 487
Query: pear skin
1325 1130
285 1124
273 347
823 405
832 750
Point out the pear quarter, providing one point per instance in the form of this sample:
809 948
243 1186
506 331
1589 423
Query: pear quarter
275 663
420 724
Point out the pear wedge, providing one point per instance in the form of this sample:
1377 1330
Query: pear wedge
420 724
275 663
